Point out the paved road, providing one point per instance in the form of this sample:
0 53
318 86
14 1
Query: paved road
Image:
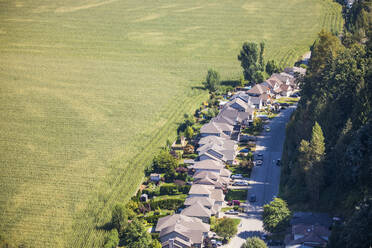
264 179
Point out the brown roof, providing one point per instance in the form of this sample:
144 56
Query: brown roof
208 165
202 174
205 201
258 89
198 189
183 220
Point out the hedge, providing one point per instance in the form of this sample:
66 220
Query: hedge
168 189
170 204
154 218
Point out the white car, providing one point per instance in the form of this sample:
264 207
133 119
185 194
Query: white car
237 176
259 162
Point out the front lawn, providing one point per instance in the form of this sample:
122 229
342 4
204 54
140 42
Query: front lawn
237 194
289 100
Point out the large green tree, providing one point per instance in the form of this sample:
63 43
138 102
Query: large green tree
248 59
276 216
119 217
164 161
254 242
212 80
135 235
112 239
226 228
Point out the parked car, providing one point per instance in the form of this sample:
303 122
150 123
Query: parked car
268 129
233 212
284 104
240 183
233 203
259 162
259 156
278 162
245 150
253 198
237 176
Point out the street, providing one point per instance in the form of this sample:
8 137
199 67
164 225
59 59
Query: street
264 181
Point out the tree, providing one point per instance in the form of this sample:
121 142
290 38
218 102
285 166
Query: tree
112 240
276 216
248 59
136 235
212 81
272 67
258 77
261 59
164 162
189 132
254 242
156 244
119 217
226 228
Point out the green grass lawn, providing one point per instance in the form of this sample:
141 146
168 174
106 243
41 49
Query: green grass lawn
289 100
237 194
90 89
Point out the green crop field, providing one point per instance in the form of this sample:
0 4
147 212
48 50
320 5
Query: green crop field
90 89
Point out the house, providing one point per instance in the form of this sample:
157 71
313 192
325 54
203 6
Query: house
181 231
309 230
239 105
257 102
265 98
216 129
225 153
286 90
223 176
304 235
258 90
197 210
198 190
207 181
155 177
207 165
205 201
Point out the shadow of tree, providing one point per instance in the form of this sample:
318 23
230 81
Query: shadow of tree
249 234
106 227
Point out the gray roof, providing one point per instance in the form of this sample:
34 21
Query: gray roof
198 189
210 128
202 174
217 195
197 210
188 222
311 218
256 100
225 173
207 181
205 201
208 165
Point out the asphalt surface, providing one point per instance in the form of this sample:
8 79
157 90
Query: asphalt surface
264 181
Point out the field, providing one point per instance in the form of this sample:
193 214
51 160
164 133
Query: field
90 89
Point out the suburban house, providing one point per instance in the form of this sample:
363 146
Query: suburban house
258 90
265 98
257 102
181 231
198 190
216 129
309 230
236 117
287 90
205 201
155 177
207 181
239 105
303 235
197 210
225 153
207 165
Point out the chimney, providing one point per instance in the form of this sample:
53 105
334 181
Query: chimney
171 243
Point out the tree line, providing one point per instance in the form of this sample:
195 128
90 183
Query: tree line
327 155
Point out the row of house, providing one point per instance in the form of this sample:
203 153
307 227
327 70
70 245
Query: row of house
278 85
216 148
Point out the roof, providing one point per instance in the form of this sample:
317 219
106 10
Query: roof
202 174
285 87
264 97
241 95
207 181
183 220
225 173
198 189
210 128
154 175
256 100
310 233
311 218
205 201
177 241
197 210
217 194
208 165
258 89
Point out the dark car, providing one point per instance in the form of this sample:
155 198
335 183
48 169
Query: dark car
252 198
278 162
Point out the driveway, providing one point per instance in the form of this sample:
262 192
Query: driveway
264 182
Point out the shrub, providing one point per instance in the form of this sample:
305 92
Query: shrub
168 189
184 188
154 218
170 204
